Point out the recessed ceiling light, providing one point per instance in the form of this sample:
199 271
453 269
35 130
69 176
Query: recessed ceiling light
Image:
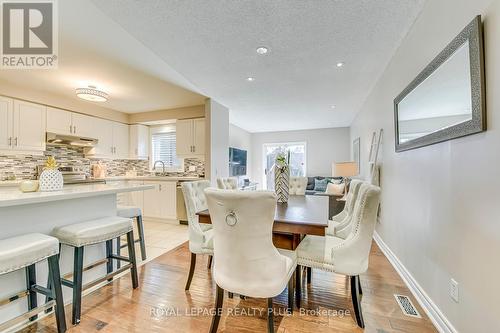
262 50
250 79
333 106
92 94
340 64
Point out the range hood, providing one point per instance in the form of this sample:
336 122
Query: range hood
70 140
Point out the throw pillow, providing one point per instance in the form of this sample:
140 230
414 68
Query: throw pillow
320 185
335 189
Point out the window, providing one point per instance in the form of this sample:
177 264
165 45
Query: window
297 162
163 148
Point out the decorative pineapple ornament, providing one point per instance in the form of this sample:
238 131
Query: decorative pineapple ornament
51 178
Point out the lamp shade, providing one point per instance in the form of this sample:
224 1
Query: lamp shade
345 169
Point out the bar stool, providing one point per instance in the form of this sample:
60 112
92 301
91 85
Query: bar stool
24 252
92 232
132 212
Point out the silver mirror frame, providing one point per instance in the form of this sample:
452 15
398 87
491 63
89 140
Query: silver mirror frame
473 33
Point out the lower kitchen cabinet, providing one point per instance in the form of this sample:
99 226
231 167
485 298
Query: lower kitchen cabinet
160 203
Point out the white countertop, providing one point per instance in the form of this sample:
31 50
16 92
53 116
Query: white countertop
153 178
14 197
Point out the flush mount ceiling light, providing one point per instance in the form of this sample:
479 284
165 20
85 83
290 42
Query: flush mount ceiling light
340 64
92 94
333 107
262 50
250 79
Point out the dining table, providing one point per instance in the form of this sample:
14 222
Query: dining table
301 215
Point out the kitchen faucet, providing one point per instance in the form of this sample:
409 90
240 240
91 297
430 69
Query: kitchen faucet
163 163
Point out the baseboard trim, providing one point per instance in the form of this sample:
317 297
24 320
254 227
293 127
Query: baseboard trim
439 320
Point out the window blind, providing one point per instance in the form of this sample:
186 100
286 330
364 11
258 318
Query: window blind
163 146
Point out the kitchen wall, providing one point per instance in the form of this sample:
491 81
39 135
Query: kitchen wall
440 204
324 146
217 151
241 139
24 166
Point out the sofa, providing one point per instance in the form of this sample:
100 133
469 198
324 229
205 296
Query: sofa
335 205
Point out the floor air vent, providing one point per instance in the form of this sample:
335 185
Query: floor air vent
407 306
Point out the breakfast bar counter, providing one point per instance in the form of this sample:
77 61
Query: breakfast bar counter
40 212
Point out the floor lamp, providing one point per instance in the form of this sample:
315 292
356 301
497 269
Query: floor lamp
345 170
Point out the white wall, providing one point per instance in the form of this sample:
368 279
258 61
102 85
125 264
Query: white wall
324 146
241 139
441 204
217 121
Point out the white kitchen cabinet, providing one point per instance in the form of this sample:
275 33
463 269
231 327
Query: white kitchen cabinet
190 137
103 132
59 121
120 140
199 136
139 142
160 203
29 126
70 123
6 114
112 139
84 125
22 125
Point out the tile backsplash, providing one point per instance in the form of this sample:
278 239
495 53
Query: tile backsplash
24 166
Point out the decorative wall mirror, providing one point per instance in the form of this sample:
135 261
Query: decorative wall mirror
447 99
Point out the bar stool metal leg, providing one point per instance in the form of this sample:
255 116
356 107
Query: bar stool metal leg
30 282
140 230
55 278
77 285
118 251
132 258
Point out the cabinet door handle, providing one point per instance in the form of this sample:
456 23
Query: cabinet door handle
194 149
74 129
15 140
70 129
10 141
160 187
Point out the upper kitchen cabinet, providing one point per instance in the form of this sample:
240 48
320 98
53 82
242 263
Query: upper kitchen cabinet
112 139
6 110
120 140
139 142
190 138
70 123
22 126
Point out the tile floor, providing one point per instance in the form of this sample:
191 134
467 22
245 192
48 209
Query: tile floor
161 237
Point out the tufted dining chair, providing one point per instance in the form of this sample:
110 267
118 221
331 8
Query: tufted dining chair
200 235
346 256
246 262
227 183
297 186
340 224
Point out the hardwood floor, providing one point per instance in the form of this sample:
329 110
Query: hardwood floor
160 304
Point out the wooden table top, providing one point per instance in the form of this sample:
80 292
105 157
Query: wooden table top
303 215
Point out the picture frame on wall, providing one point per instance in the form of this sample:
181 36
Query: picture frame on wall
356 149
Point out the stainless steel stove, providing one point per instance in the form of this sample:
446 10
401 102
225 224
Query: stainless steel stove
74 175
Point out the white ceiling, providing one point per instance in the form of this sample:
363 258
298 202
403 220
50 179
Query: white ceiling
93 49
212 43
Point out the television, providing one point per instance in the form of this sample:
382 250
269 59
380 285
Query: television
237 162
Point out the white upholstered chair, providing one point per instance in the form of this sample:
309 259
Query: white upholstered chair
297 186
200 235
340 224
246 262
227 183
346 256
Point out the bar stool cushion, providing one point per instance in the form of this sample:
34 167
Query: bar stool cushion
22 251
128 211
94 231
